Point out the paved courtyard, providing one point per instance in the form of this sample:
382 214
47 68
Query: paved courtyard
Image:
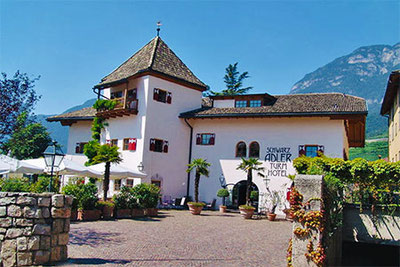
177 238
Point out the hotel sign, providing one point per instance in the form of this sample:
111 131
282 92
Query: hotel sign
278 159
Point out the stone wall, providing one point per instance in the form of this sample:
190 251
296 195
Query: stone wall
33 228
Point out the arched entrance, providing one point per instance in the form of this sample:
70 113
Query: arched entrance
239 193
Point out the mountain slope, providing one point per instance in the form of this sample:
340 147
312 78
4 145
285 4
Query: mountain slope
364 73
56 130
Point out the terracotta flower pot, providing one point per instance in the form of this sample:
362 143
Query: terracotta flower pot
124 213
194 209
246 213
222 209
89 215
108 212
137 212
74 215
151 212
271 216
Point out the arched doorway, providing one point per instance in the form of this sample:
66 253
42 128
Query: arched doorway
239 193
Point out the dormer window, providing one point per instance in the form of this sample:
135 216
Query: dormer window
255 103
162 96
241 103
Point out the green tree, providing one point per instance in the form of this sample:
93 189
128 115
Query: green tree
29 140
17 95
107 154
233 80
201 167
248 166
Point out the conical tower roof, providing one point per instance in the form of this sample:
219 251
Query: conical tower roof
154 58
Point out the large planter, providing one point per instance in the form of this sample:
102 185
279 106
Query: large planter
151 212
137 213
108 212
271 216
89 215
195 209
222 208
124 213
246 213
74 215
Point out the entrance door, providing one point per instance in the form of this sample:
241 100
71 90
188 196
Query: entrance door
239 193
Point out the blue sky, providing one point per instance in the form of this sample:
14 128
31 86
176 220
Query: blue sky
73 44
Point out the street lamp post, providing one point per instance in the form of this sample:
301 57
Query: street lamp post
53 156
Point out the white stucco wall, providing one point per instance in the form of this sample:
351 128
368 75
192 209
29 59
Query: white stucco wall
268 132
78 132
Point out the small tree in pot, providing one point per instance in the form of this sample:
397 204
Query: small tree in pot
122 200
201 167
148 196
223 192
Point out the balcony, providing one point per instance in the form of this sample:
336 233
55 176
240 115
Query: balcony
124 107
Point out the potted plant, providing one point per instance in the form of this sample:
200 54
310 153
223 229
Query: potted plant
201 167
121 201
107 208
246 211
148 196
87 210
223 192
274 203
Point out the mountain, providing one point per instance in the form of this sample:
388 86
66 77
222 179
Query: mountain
56 130
364 73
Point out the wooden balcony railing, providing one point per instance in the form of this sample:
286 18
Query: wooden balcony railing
124 107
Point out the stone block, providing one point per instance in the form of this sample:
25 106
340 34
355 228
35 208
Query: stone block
58 226
7 201
68 201
63 239
41 257
44 213
44 202
31 212
55 254
24 258
45 242
61 213
9 259
22 243
64 253
54 240
14 211
25 200
34 243
67 223
41 229
3 230
3 211
23 222
27 231
6 222
9 245
1 239
14 232
57 201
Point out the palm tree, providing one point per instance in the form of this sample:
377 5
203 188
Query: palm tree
107 154
248 166
233 80
201 166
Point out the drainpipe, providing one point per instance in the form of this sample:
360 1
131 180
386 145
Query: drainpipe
190 157
388 123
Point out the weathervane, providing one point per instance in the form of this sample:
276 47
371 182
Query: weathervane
158 27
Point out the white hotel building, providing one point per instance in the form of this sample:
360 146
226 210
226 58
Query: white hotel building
166 120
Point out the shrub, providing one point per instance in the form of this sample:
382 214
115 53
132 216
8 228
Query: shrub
42 184
14 185
246 207
148 195
254 195
125 199
85 195
197 204
223 193
101 204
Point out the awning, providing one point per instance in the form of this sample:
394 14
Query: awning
67 167
118 171
19 166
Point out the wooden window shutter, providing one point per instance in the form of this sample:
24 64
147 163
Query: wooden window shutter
152 144
132 144
321 150
165 147
155 95
198 139
302 150
169 97
212 139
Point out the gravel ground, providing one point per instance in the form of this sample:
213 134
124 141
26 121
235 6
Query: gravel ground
177 238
